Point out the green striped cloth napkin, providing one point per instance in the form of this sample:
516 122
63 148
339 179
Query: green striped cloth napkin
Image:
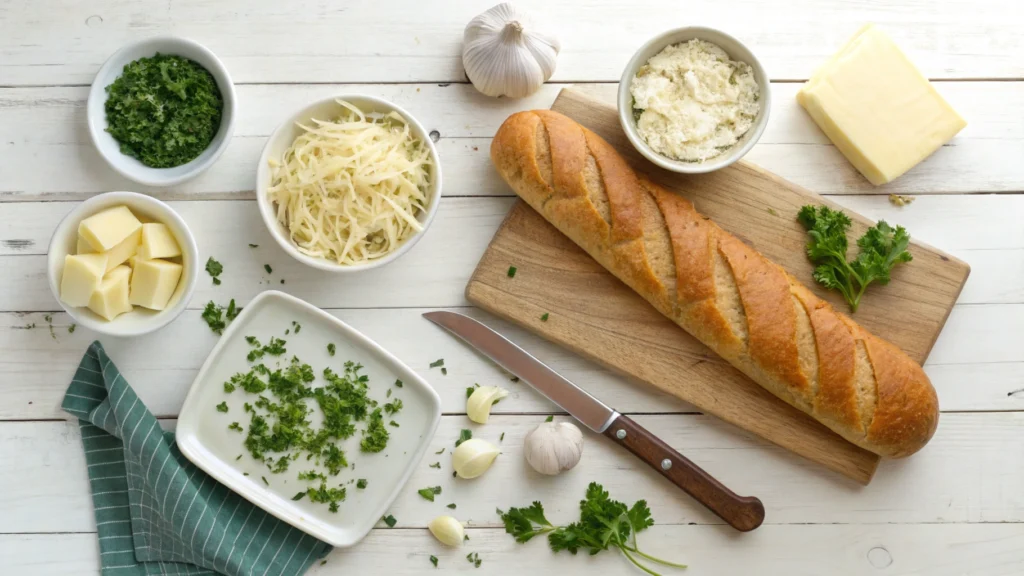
156 513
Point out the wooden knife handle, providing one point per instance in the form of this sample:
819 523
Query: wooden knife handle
743 513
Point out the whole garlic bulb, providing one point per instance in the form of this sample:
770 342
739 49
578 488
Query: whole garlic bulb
473 457
447 530
553 447
506 52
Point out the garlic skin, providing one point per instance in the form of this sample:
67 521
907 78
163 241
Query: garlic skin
478 405
473 457
553 447
506 52
447 530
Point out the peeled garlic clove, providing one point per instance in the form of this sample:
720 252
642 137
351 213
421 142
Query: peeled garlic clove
473 457
553 447
447 530
507 52
478 405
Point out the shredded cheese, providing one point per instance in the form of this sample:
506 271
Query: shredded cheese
350 190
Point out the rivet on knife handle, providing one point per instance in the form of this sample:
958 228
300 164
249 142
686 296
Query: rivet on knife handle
743 513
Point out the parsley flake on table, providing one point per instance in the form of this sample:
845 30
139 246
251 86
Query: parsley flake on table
163 110
604 523
268 268
474 559
232 312
511 271
452 506
214 269
436 465
71 328
882 247
549 418
502 437
544 317
214 317
389 520
393 424
463 436
471 389
429 493
254 245
433 560
441 451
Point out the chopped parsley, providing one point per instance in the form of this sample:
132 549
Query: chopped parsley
231 313
222 407
444 371
331 349
433 560
544 317
361 483
394 406
268 268
264 478
441 451
299 496
254 245
214 269
325 495
549 418
214 317
471 389
437 363
235 426
296 326
452 506
511 271
375 437
398 383
393 424
474 559
436 465
429 493
514 379
463 436
71 329
502 437
389 520
163 110
388 395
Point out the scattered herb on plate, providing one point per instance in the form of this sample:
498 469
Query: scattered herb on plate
235 426
882 247
393 407
331 349
222 407
444 371
264 478
214 269
361 483
437 363
398 383
163 110
604 523
299 496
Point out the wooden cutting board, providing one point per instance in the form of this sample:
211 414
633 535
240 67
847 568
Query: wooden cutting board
598 317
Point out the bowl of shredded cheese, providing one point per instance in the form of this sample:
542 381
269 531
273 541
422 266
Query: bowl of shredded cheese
348 183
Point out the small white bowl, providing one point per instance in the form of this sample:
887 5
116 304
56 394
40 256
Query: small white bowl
736 51
328 109
140 320
108 147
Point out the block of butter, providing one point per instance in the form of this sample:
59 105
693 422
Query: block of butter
83 247
158 242
124 250
109 228
153 283
82 276
877 107
110 300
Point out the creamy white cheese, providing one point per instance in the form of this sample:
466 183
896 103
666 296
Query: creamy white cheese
693 102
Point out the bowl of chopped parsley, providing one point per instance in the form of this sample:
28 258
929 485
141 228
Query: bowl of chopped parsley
161 111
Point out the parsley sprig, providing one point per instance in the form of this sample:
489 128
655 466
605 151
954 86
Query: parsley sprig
604 523
882 247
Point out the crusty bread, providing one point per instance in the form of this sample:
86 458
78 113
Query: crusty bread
744 307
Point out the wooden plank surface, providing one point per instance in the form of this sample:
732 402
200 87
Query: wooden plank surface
595 315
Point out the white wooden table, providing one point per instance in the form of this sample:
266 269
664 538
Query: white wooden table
955 508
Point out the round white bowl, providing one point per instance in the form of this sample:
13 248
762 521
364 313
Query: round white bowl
282 139
140 320
108 147
736 51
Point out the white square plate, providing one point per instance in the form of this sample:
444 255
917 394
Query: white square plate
204 437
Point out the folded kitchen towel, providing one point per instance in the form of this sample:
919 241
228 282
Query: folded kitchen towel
156 513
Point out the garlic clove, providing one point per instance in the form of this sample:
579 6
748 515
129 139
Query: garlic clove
478 405
473 457
553 447
447 530
506 53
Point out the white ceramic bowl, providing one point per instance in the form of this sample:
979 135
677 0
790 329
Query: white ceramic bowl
327 109
736 51
141 320
108 147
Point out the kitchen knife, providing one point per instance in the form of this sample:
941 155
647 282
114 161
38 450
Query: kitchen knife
743 513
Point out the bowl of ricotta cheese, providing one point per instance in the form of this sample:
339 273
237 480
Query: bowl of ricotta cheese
694 100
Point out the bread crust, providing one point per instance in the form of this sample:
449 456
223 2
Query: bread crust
744 307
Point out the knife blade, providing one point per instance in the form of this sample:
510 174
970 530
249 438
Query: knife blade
744 513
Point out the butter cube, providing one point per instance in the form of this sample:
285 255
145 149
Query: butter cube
133 260
81 277
109 228
877 108
153 283
124 250
158 242
83 247
111 299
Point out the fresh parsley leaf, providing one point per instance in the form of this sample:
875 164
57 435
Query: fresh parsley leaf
331 349
463 436
437 363
429 493
394 406
433 560
232 312
222 407
525 523
389 520
394 424
214 317
471 389
511 271
214 269
882 247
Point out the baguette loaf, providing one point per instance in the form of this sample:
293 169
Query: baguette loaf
744 307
